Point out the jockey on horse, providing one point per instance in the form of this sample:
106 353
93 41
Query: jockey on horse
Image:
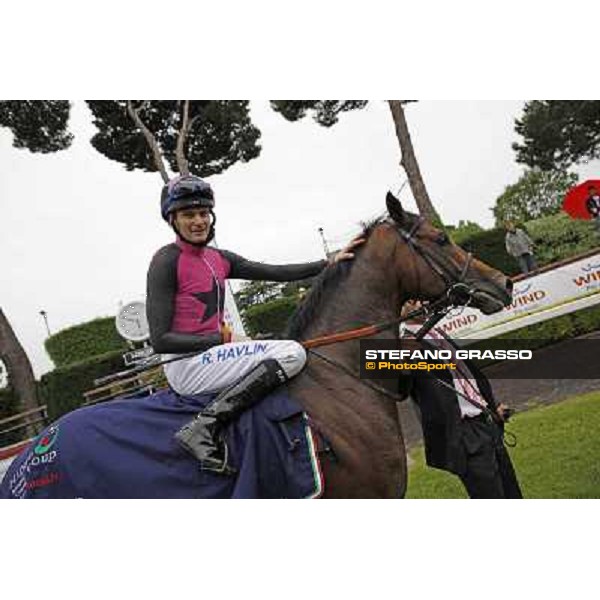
185 306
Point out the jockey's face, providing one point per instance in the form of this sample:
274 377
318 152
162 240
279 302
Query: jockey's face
193 224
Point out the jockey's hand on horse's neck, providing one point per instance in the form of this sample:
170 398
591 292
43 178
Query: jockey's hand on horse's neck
346 253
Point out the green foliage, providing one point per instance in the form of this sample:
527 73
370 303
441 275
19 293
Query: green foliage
558 133
220 135
325 112
536 194
62 389
266 306
84 341
556 457
556 237
37 125
488 246
253 293
256 292
270 317
559 328
463 231
297 289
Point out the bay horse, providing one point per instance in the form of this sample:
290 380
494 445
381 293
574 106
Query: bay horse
403 257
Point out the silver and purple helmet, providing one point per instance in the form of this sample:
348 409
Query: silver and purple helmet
185 191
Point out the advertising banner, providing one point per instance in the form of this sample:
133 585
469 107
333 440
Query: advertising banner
535 295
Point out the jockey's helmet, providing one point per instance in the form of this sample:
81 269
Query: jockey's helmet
186 191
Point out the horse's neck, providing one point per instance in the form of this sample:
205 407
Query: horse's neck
370 294
358 421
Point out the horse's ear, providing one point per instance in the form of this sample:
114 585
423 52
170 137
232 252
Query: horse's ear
395 208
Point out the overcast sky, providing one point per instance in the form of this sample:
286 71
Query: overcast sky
77 231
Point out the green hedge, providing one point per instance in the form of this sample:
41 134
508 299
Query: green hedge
85 341
270 317
556 237
558 328
488 246
62 389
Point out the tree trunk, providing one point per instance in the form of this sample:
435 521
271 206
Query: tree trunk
20 373
150 139
409 163
182 163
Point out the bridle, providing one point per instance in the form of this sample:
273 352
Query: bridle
456 293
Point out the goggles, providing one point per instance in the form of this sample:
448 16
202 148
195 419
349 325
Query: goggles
189 186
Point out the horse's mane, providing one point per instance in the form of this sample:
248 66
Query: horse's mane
323 287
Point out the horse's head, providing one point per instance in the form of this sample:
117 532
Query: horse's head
441 268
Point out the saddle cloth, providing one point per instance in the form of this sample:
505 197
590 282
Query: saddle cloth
125 449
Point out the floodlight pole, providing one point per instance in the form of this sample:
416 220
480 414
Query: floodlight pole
325 247
45 317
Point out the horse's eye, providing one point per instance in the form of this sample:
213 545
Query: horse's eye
442 239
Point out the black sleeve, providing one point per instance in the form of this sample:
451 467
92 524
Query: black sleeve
246 269
160 306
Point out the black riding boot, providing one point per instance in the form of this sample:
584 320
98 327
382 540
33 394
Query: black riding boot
202 436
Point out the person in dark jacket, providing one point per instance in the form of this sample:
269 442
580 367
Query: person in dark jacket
462 423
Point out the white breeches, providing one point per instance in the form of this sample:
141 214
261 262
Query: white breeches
223 365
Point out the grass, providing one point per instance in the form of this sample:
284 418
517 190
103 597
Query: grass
557 454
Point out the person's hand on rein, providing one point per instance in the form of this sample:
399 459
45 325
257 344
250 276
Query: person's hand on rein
346 253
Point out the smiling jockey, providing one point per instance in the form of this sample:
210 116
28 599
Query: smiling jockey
185 305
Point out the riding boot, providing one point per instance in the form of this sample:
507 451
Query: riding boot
202 437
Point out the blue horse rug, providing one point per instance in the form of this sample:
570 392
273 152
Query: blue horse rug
125 449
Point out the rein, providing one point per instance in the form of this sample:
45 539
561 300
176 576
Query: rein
365 332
